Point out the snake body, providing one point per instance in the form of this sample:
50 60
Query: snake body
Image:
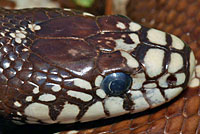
53 63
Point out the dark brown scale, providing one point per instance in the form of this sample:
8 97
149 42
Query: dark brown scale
65 28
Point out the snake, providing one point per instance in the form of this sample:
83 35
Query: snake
64 66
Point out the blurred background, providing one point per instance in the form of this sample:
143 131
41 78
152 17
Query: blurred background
96 7
178 17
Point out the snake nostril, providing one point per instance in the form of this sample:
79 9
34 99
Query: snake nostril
171 80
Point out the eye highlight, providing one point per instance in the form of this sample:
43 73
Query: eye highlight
116 84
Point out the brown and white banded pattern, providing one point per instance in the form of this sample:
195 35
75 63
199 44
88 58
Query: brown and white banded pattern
52 63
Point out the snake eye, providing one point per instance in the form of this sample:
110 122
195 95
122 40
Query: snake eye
116 83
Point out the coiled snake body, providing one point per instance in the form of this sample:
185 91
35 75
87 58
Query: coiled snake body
64 66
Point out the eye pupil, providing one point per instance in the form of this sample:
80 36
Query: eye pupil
116 83
117 86
171 80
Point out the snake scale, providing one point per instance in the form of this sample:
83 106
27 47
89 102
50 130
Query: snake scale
47 83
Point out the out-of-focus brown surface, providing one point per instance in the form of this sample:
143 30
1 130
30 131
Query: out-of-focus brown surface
182 18
7 3
19 4
97 8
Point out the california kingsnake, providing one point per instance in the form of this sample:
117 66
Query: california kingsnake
64 66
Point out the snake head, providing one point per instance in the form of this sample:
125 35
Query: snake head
91 68
163 66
